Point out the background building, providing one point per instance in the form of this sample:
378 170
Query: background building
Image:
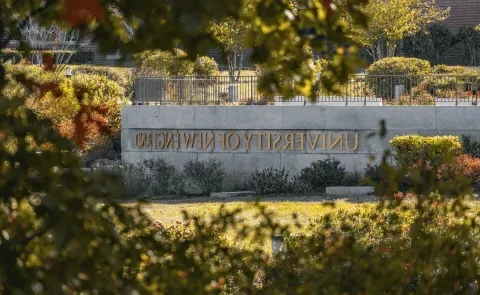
463 13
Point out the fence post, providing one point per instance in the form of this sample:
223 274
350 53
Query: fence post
365 92
161 91
456 91
410 89
181 90
477 89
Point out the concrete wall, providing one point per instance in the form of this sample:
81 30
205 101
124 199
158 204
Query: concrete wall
217 121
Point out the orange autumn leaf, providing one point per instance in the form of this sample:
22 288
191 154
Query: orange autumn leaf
78 12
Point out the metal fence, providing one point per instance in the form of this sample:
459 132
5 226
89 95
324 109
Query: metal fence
359 90
196 90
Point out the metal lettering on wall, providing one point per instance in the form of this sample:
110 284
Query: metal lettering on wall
248 140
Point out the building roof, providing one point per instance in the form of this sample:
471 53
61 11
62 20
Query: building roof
462 13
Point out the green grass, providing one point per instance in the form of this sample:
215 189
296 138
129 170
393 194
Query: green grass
307 209
170 212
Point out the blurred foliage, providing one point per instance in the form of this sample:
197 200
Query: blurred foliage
280 32
63 232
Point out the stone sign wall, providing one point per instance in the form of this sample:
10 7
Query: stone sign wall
246 138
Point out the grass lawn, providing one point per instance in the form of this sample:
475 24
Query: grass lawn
169 212
307 209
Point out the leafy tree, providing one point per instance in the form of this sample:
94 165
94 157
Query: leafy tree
431 45
392 21
469 37
230 34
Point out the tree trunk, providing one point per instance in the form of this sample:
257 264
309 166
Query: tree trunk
239 69
391 49
231 69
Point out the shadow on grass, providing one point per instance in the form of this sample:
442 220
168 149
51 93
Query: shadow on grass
280 198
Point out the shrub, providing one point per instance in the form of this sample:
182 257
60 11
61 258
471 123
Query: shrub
271 181
352 179
452 70
135 179
414 150
233 182
12 56
149 178
470 147
163 63
453 81
176 183
109 149
205 66
395 71
298 186
124 78
323 173
161 173
421 98
470 168
373 174
207 176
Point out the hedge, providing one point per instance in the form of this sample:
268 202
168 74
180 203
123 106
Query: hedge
166 63
82 57
411 150
397 68
123 77
452 81
10 56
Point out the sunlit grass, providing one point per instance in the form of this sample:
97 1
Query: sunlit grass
170 213
306 211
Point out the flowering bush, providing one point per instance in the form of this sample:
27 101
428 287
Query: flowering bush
470 168
422 98
84 108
